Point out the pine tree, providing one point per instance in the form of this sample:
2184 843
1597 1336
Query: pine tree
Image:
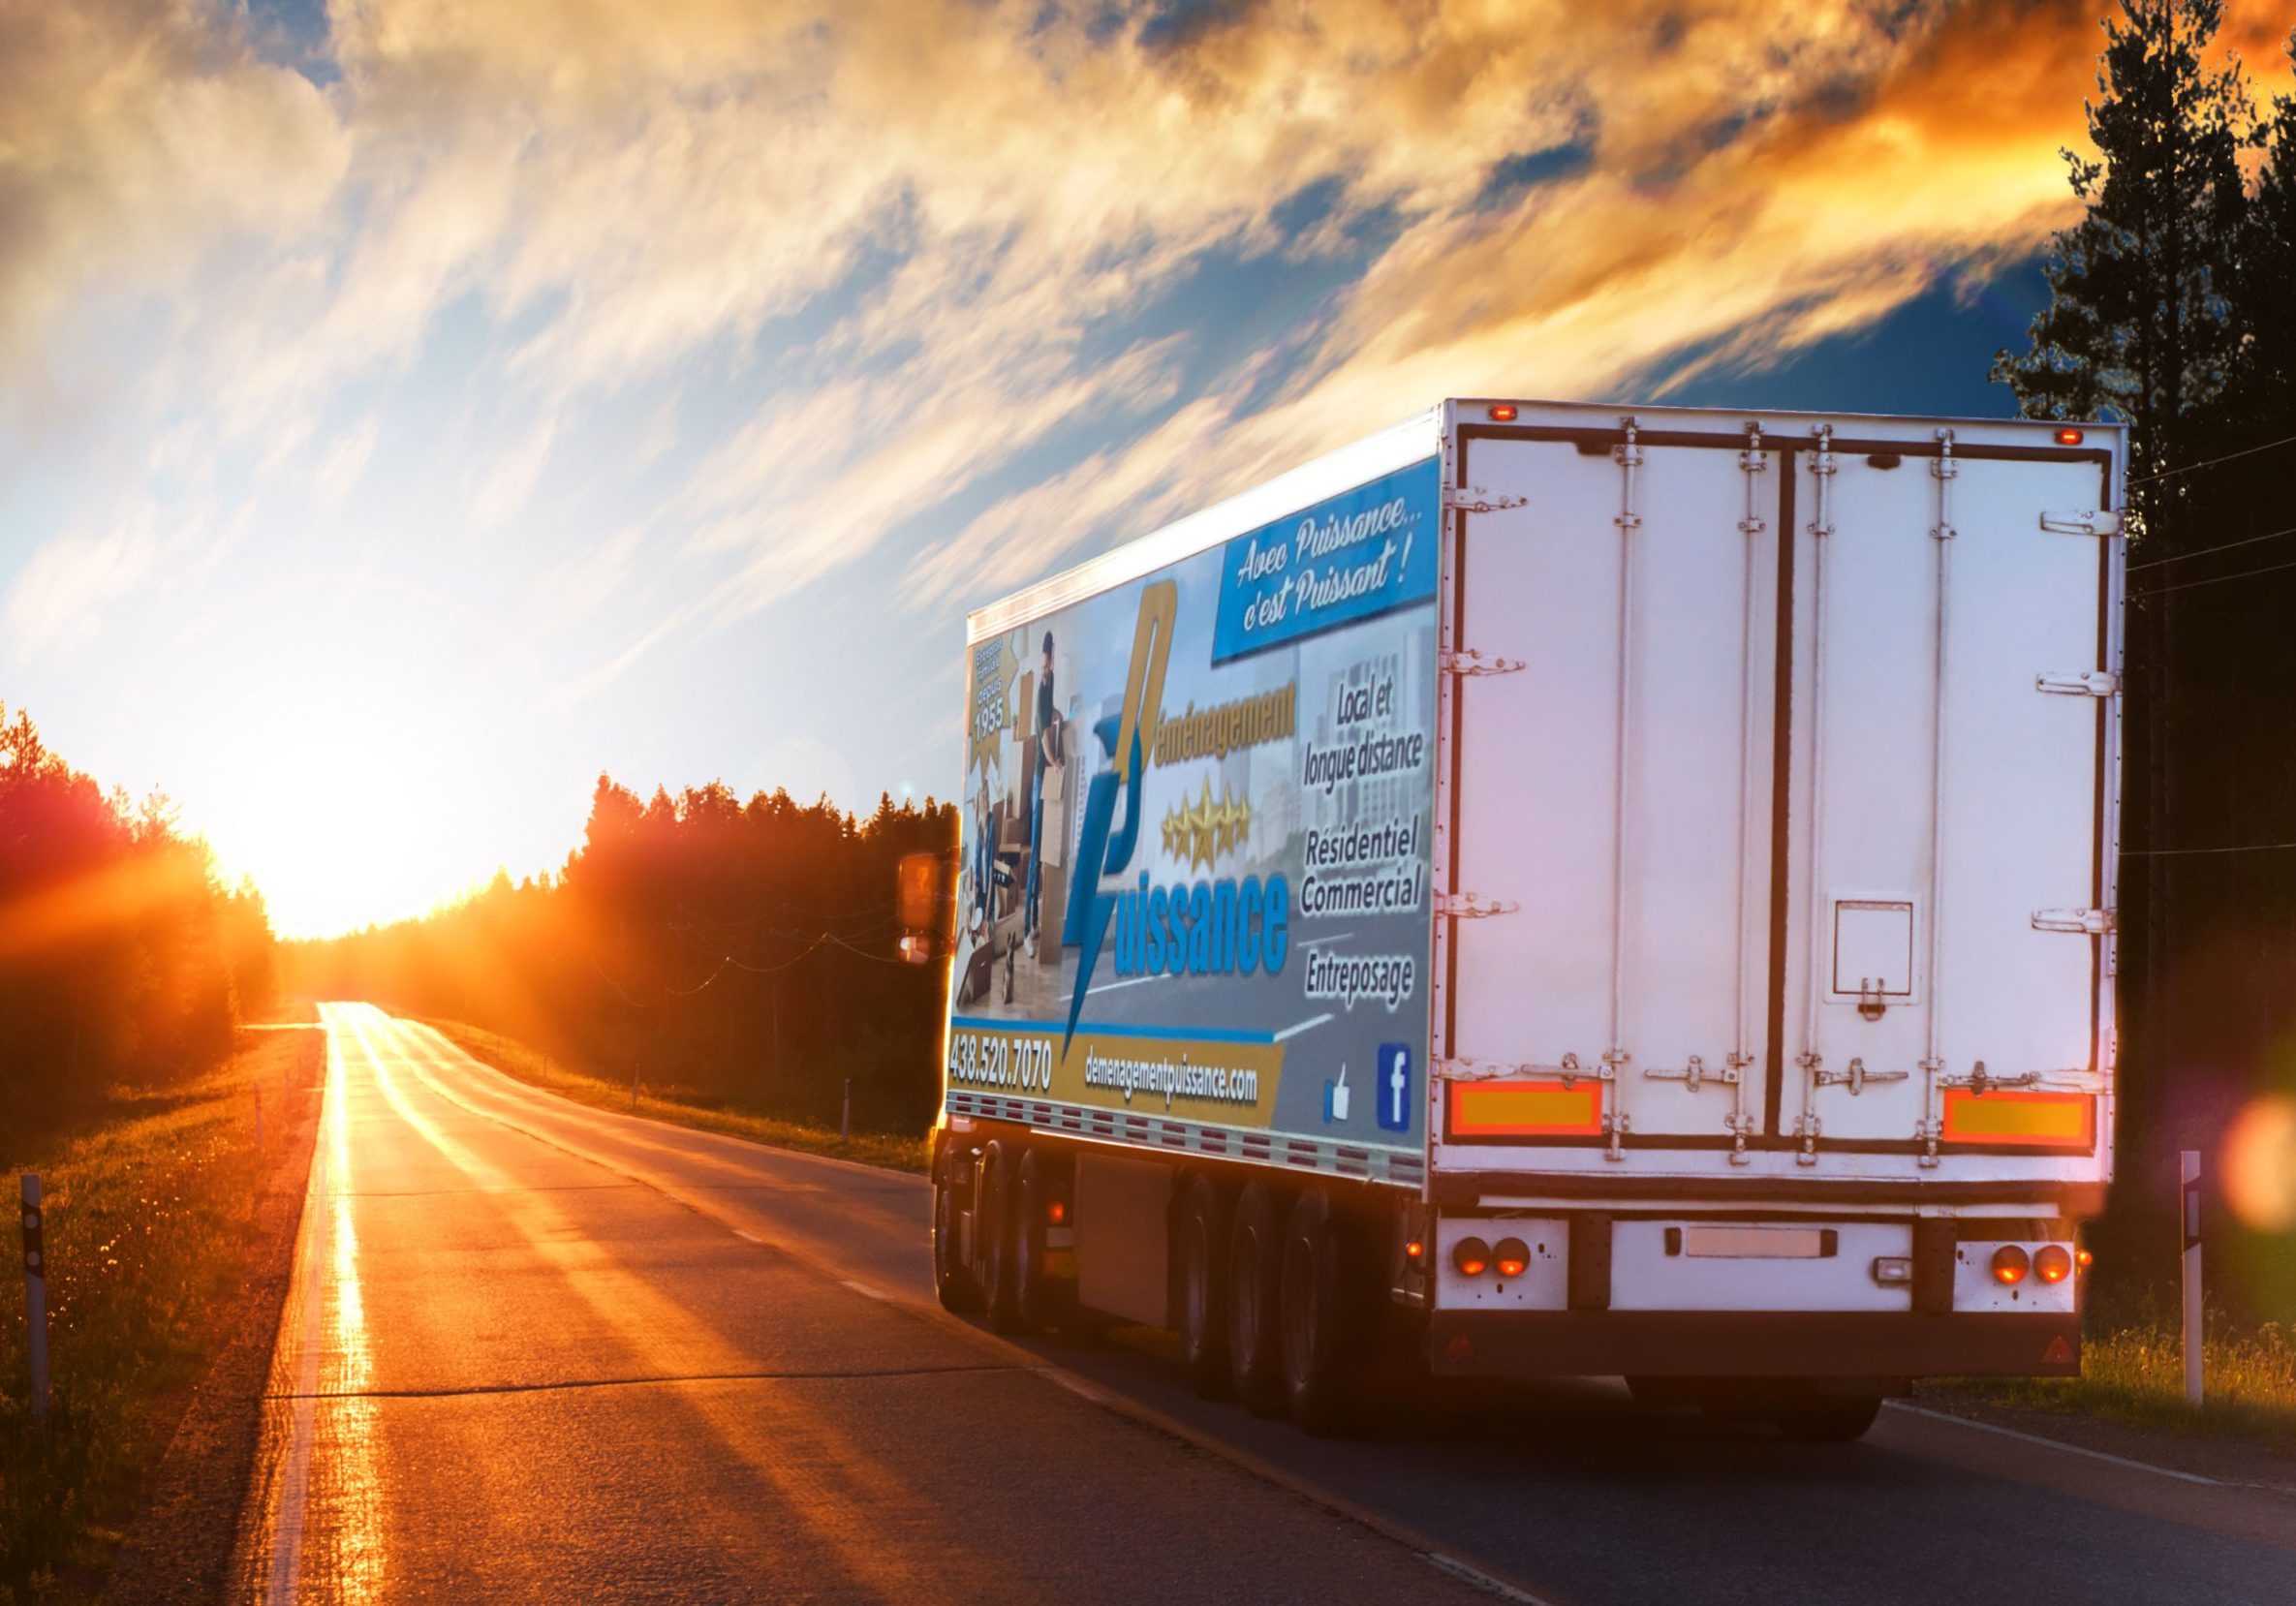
2139 326
2143 326
2264 380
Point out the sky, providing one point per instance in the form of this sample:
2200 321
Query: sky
410 410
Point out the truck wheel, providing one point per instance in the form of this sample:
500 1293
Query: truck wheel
1315 1314
992 1238
1254 1282
952 1278
1203 1289
1041 1300
1828 1419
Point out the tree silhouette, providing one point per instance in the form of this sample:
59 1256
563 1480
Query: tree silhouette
744 951
2173 308
122 959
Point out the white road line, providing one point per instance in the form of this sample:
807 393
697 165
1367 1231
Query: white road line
2053 1444
1303 1025
287 1538
1081 1391
1476 1578
861 1288
749 1237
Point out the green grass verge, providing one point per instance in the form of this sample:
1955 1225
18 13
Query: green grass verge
685 1106
149 1216
2135 1374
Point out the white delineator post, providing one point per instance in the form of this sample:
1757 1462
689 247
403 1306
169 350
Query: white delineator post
36 1296
2189 1179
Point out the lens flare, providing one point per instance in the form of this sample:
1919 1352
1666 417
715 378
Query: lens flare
2259 1164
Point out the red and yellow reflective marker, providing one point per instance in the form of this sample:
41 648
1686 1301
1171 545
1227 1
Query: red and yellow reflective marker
1524 1109
2023 1119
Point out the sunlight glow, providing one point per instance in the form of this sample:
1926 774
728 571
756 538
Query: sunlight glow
328 827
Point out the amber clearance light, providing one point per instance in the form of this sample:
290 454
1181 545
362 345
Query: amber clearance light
2068 437
1500 412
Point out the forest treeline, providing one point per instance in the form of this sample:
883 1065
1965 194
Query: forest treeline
744 950
2173 308
123 959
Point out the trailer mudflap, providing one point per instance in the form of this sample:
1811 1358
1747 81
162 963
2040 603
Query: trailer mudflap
1753 1344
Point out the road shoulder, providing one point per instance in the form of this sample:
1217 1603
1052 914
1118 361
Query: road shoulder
2245 1462
178 1548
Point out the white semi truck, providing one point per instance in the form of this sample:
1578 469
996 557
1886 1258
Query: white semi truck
1557 890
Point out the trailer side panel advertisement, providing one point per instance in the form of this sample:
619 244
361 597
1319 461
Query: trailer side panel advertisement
1194 866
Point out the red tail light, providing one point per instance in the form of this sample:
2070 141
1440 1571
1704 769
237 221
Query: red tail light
1057 1212
1501 412
1513 1258
1472 1255
2009 1265
2068 437
2054 1263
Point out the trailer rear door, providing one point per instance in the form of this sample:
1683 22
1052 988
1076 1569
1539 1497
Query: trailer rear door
1767 900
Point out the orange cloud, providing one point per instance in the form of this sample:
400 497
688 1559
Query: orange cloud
972 197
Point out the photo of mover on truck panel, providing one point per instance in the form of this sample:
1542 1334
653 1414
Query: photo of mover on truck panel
1551 891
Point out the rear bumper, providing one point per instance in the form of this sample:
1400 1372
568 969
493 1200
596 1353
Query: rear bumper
1751 1343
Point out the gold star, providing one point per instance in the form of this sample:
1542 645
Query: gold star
1201 846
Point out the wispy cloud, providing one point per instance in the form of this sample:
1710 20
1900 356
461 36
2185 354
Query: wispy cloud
696 308
57 601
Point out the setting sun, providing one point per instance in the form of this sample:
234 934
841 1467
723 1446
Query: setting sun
329 828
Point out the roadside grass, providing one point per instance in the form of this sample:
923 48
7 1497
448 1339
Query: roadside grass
684 1106
148 1217
2133 1372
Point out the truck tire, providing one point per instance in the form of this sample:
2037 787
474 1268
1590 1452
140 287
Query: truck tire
993 1240
1202 1254
1317 1309
952 1278
1255 1292
1827 1418
1041 1300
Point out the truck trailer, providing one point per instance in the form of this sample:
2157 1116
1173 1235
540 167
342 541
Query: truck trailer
1556 890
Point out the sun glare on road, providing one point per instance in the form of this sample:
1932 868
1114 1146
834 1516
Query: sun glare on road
327 828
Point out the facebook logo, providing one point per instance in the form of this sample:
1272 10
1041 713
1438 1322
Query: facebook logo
1393 1086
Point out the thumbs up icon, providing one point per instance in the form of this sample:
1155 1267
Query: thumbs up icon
1335 1096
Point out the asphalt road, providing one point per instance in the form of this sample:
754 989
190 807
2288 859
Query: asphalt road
537 1351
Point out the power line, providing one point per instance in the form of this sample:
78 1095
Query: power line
2217 580
2224 546
2211 462
878 958
768 970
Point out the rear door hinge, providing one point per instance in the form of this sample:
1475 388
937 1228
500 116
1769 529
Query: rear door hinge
1694 1072
1468 905
2079 683
1857 1078
1466 661
2081 521
1569 1073
1474 499
2087 922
